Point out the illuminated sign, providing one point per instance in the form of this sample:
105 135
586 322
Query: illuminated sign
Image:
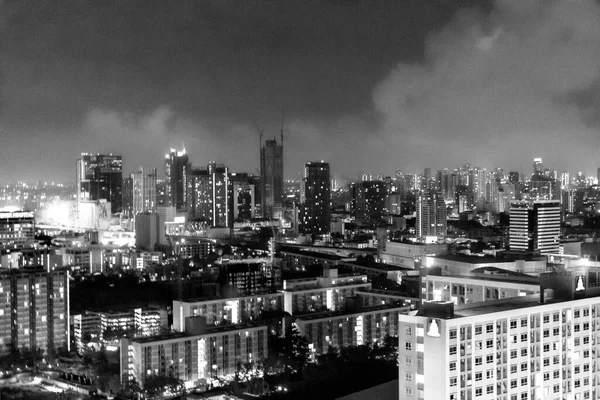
16 214
434 329
580 285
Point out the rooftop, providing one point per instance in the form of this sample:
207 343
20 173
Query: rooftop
209 330
330 314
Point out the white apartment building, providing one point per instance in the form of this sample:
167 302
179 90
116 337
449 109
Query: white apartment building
535 347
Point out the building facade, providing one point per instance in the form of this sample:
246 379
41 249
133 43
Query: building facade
17 229
431 215
535 226
100 177
177 171
271 179
316 199
35 310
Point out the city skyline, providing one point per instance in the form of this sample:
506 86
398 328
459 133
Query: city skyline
407 86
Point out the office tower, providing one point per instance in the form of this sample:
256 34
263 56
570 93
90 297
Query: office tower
431 215
35 314
528 347
271 178
243 196
128 197
17 229
513 177
316 198
535 226
565 180
370 199
477 186
538 166
144 190
147 230
210 195
177 169
162 199
100 177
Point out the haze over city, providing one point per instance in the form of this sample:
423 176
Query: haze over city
404 85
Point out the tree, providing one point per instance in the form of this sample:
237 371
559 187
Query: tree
156 386
299 348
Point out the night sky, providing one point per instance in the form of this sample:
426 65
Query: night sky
370 86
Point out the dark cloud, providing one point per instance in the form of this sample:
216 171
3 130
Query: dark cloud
369 86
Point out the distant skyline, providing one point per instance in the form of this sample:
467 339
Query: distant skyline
368 87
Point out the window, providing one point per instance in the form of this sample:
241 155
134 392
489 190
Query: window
556 331
489 358
453 366
576 314
546 319
513 354
489 328
586 312
409 391
489 389
586 367
478 330
546 376
408 377
489 374
513 324
453 381
546 332
478 392
556 374
524 381
478 345
408 346
513 369
546 362
556 317
478 360
577 383
523 337
586 354
556 388
586 340
489 343
576 328
546 347
577 341
452 350
478 376
524 352
523 366
524 396
586 326
513 384
408 361
452 333
523 322
556 360
408 330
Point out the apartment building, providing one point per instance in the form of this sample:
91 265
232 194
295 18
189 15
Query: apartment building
197 356
542 346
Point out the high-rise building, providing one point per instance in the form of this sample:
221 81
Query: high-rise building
177 170
316 198
431 214
35 314
17 229
243 196
271 178
147 230
369 199
535 226
100 177
210 195
538 166
128 197
144 190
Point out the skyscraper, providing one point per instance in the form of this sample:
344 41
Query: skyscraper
100 177
144 190
271 178
431 214
316 197
538 166
369 199
177 169
535 226
210 195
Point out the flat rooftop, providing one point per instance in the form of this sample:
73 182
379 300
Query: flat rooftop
498 277
209 330
331 314
486 259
